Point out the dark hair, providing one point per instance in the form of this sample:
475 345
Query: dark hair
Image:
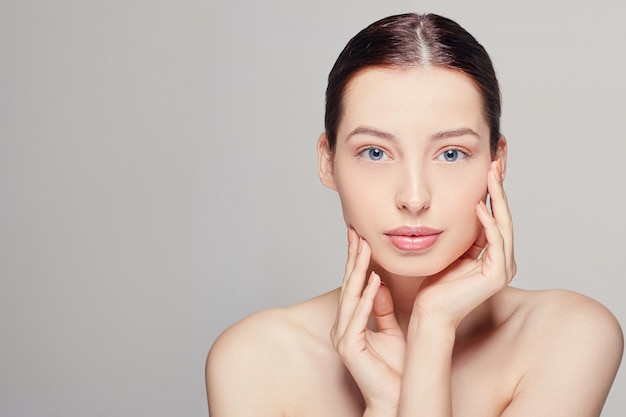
410 40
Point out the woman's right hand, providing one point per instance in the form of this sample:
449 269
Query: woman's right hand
375 358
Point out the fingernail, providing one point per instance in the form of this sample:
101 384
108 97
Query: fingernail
499 170
349 236
496 170
483 207
360 245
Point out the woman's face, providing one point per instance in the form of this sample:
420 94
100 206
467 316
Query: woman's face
410 165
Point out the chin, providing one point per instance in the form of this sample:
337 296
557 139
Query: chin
411 266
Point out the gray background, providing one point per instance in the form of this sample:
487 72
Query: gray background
158 178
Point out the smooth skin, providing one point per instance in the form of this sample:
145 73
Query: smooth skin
445 335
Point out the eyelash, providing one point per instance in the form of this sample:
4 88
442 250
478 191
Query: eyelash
464 153
362 153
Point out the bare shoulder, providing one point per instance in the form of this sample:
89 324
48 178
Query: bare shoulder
570 348
248 367
551 318
567 314
236 362
274 332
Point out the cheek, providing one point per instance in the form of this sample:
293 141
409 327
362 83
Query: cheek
362 198
357 200
462 194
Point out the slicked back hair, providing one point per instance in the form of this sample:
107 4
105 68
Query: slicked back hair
410 41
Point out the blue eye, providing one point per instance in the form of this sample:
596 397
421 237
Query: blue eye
452 155
374 154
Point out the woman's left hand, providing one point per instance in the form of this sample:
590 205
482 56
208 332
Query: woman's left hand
452 294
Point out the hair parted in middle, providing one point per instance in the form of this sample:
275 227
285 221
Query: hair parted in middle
409 41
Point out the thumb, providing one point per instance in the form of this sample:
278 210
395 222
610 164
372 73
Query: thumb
384 311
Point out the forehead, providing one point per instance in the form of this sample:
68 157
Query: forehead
415 101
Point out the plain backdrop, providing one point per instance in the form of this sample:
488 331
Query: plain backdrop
158 178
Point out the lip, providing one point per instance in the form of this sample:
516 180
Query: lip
413 238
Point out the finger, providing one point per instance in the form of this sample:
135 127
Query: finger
354 248
499 204
358 321
494 258
353 242
353 286
501 212
384 312
477 247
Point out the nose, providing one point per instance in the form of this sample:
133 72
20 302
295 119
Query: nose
413 194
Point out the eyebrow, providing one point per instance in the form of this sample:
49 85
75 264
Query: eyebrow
445 134
371 131
455 133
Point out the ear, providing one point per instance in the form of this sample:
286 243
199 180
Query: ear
501 154
325 162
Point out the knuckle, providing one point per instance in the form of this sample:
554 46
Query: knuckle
342 347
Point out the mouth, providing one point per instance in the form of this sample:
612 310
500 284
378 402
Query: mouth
412 239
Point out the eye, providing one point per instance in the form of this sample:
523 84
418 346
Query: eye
374 153
452 155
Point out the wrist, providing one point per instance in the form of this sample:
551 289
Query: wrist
373 411
431 325
384 405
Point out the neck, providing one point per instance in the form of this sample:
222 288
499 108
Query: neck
404 291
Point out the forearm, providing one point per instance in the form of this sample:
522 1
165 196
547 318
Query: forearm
426 382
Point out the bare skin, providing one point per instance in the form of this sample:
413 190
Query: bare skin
445 335
281 362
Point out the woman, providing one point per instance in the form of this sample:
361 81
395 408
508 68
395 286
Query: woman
425 323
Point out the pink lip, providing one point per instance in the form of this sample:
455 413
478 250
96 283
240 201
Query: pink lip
417 238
